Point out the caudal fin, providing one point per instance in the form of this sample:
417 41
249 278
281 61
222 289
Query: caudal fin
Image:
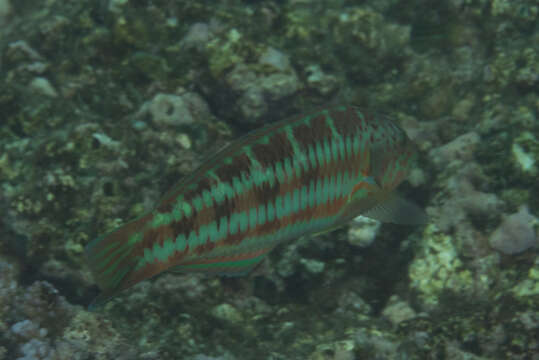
113 257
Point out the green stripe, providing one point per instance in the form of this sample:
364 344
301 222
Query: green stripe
197 203
257 173
348 142
278 207
261 214
177 212
181 242
289 231
312 157
327 151
226 264
279 172
288 170
223 228
104 262
323 153
114 265
113 281
243 221
304 197
233 223
285 205
298 153
207 198
337 142
161 219
360 115
203 234
211 174
161 253
262 136
358 145
237 185
283 169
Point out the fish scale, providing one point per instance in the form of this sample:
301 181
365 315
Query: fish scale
295 177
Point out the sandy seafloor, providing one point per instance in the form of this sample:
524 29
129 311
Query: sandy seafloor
106 104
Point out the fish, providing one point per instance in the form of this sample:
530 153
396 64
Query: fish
294 177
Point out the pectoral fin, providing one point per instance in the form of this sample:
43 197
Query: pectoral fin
384 207
397 210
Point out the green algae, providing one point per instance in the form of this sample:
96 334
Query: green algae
528 288
437 268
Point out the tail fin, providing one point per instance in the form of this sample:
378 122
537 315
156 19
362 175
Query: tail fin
113 257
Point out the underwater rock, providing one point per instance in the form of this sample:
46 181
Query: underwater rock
462 108
324 83
205 357
338 350
525 151
181 288
275 59
252 104
117 6
279 86
240 78
9 274
174 110
43 86
437 268
28 329
464 199
227 313
352 303
461 148
313 266
256 87
199 34
529 287
258 91
43 303
377 344
398 311
523 159
453 352
516 233
35 349
106 58
363 231
5 11
168 109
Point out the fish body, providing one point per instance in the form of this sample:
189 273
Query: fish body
294 177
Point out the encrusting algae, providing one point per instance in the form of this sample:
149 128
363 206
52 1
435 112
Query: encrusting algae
296 177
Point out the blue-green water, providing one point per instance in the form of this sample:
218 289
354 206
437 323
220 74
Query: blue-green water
106 104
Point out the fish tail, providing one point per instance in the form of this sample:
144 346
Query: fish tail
112 257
